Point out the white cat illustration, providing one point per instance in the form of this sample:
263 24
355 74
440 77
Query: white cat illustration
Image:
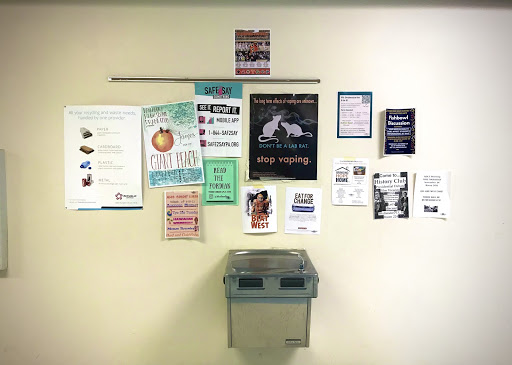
294 130
269 128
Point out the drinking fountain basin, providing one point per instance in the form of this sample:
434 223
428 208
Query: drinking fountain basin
268 261
269 297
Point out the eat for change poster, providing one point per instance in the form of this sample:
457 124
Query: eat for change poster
303 210
283 136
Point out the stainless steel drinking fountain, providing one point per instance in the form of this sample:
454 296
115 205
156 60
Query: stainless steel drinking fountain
269 297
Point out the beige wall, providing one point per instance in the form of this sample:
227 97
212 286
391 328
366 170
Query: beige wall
106 288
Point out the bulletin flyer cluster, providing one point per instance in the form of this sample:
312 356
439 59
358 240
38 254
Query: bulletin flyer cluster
200 141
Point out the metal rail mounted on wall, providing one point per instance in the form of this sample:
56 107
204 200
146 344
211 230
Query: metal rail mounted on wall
249 80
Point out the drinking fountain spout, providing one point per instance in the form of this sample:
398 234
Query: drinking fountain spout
301 265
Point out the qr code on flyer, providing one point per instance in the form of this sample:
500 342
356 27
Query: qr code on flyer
366 99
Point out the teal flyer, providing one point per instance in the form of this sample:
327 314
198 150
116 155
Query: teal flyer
221 182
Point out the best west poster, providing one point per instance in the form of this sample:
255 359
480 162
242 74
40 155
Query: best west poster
350 181
355 114
303 210
102 146
283 136
219 115
400 132
432 194
259 213
171 140
252 52
181 214
390 195
220 181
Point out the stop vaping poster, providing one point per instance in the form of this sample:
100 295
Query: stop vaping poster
283 136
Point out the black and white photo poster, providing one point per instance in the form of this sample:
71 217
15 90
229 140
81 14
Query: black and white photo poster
390 195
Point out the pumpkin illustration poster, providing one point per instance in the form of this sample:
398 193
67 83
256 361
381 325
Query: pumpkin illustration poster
171 141
283 136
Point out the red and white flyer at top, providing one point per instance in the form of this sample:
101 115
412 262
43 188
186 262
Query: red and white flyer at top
252 52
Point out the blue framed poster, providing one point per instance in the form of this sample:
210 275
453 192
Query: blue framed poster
355 114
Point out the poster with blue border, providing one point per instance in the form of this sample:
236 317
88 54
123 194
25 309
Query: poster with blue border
355 114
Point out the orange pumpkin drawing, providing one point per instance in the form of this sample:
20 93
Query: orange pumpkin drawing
162 140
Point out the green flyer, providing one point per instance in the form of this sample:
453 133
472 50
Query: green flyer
221 181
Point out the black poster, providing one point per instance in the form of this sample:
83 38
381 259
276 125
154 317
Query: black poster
283 136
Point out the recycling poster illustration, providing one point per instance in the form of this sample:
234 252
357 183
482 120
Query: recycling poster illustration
219 116
102 146
283 136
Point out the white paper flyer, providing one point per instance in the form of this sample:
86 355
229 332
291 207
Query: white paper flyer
258 209
102 153
303 210
432 194
350 181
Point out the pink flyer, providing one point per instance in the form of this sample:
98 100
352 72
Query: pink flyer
181 214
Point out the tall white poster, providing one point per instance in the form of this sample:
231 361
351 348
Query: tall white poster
303 210
350 181
102 154
432 194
